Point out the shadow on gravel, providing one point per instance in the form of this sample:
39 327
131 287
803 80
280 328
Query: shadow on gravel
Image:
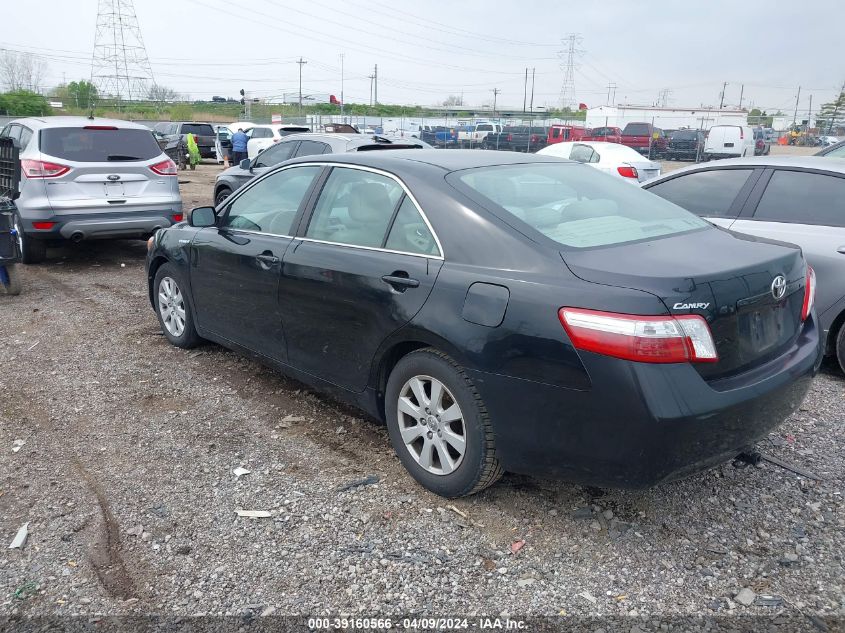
95 252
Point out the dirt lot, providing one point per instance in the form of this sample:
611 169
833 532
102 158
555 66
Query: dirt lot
125 479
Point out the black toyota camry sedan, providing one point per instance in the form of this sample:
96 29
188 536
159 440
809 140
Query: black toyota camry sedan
500 312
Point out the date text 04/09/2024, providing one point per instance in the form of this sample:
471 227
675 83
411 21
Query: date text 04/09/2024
425 624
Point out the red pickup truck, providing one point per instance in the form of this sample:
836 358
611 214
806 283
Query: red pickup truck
559 133
645 138
604 134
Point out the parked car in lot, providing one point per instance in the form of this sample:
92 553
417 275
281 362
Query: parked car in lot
474 134
308 144
728 141
645 138
87 178
837 150
685 145
518 138
500 312
611 158
798 199
559 133
440 136
603 134
172 131
263 136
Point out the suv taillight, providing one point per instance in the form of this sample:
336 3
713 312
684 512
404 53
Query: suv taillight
42 169
647 339
809 293
164 168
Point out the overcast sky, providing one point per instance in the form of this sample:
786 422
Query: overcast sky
426 51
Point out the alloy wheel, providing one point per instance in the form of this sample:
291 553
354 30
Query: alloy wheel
431 424
171 306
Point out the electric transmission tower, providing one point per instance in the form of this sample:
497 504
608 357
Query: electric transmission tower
120 67
569 55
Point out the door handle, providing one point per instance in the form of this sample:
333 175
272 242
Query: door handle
400 281
268 259
841 250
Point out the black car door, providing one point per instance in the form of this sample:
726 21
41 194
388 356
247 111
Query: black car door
235 266
270 157
362 268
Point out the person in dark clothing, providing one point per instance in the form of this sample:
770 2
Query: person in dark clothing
239 151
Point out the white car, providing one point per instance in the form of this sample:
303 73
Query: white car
263 136
729 141
611 158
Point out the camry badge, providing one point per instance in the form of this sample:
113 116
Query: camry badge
779 287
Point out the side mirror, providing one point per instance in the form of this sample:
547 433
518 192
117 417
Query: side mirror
245 164
202 217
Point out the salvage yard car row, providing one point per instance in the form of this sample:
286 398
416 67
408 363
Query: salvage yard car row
496 310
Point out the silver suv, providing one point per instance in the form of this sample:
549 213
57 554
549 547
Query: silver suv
91 178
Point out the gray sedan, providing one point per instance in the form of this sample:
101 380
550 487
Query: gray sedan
306 144
797 199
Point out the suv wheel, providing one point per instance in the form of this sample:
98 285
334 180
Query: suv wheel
840 347
32 251
439 425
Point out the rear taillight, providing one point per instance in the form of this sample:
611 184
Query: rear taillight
43 169
164 168
809 293
646 339
177 217
741 134
43 226
626 171
510 137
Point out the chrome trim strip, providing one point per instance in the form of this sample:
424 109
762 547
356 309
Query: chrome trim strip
368 248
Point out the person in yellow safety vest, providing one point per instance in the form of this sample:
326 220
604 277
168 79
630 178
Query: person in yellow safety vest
193 151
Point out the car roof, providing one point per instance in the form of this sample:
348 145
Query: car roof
447 160
76 121
800 162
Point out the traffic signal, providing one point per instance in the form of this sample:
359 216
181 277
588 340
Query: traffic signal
243 101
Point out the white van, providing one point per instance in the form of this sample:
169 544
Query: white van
729 141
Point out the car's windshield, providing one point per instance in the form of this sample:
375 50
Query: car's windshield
574 205
684 135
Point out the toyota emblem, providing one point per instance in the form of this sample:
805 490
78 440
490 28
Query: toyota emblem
779 287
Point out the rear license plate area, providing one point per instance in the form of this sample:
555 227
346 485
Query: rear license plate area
729 144
113 189
761 329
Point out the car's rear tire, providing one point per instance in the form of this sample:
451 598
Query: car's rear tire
32 251
173 308
439 426
840 347
222 194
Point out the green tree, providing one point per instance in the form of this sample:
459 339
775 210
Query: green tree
23 103
758 117
832 115
82 94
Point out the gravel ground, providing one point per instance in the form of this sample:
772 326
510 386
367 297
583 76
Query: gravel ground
126 481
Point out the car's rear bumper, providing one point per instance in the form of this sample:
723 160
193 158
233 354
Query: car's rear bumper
641 424
103 225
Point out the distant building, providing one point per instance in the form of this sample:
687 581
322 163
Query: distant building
664 118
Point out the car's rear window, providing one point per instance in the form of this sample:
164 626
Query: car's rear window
574 205
87 145
199 129
686 135
636 129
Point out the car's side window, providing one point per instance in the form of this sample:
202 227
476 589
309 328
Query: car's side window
839 152
275 154
355 207
803 197
310 148
705 193
271 204
26 136
583 154
410 233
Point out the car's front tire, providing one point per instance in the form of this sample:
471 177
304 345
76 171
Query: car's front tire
840 347
222 194
173 308
32 251
439 426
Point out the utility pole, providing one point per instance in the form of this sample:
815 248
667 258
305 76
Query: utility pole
532 89
741 92
722 100
795 116
809 114
341 85
301 63
375 88
371 77
496 92
525 91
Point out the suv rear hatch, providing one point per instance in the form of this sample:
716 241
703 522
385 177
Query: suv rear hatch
107 167
725 277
